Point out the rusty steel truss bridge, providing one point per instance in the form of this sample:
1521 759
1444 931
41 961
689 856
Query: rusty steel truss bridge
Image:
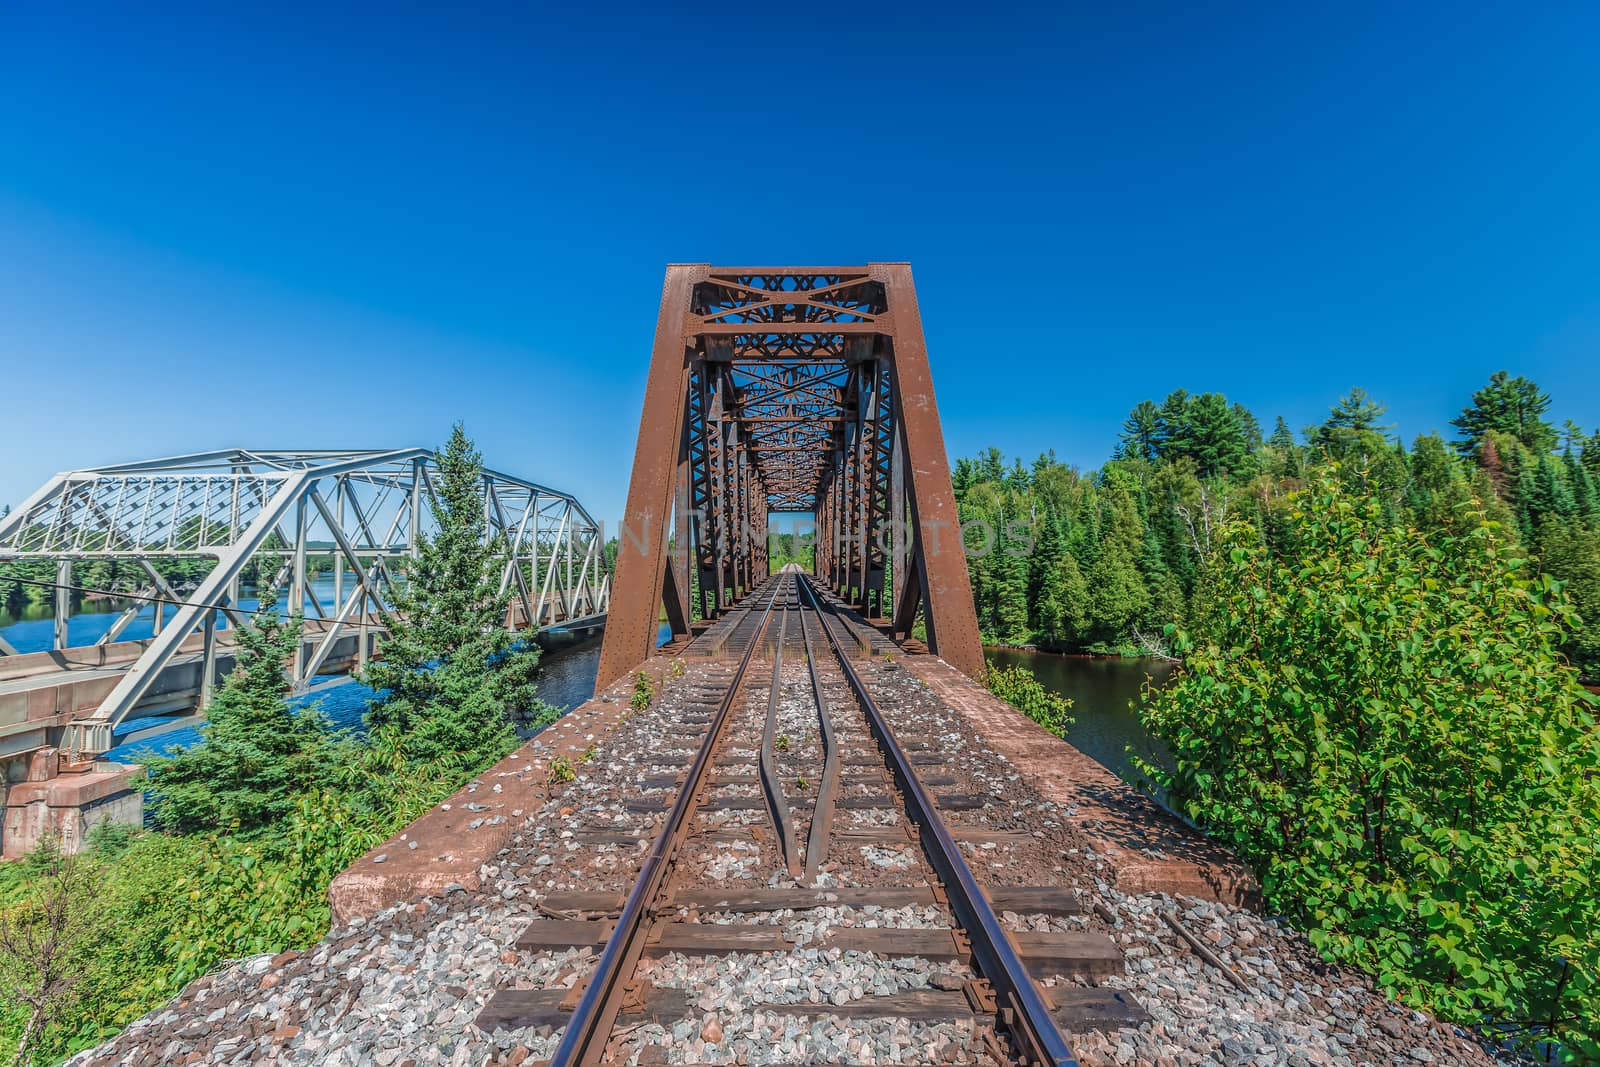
366 509
790 390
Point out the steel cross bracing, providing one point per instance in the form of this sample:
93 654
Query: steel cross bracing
790 389
364 508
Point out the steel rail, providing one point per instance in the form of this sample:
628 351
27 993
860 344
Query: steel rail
822 814
1020 1008
585 1038
771 787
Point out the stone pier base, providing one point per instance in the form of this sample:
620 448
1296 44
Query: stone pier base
67 800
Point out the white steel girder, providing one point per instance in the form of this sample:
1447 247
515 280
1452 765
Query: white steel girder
366 508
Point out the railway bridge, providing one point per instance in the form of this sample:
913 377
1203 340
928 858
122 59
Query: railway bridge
799 830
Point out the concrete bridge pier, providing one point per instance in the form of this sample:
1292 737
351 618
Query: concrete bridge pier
44 793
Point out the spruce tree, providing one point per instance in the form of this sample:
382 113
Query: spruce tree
1582 483
256 754
1063 606
1117 593
453 678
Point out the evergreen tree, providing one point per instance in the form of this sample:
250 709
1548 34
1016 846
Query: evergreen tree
1356 411
1282 442
1117 593
1582 483
1512 406
1011 593
453 677
256 754
991 465
1143 433
1434 473
1047 553
1250 425
1213 436
1063 606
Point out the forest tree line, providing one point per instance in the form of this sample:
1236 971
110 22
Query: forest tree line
1112 557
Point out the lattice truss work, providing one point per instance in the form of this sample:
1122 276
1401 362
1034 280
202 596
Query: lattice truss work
365 509
790 390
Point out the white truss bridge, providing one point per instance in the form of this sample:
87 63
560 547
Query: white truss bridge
366 509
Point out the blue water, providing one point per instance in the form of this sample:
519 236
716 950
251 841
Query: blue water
94 618
566 678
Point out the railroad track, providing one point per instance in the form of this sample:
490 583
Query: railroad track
790 796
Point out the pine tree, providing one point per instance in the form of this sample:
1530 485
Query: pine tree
453 677
1117 593
1282 442
1351 432
1358 411
1582 483
256 754
1143 433
1011 593
1250 425
1047 554
1513 406
1213 436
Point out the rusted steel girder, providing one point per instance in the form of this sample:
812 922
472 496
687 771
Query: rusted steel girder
790 389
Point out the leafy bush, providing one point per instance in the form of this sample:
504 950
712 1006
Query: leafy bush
167 908
1018 687
1380 723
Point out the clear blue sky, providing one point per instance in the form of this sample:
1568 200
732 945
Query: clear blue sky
350 231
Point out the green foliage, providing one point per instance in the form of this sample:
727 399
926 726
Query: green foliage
561 771
644 691
167 908
1218 438
1018 687
1117 553
786 548
256 753
453 678
1380 721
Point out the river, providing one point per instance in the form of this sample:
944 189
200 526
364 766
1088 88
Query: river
1104 693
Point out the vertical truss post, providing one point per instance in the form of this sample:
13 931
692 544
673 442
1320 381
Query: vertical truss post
681 547
297 589
879 490
208 659
899 529
63 602
636 593
952 622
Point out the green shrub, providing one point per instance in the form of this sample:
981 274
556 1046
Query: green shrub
1380 723
644 691
1018 687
